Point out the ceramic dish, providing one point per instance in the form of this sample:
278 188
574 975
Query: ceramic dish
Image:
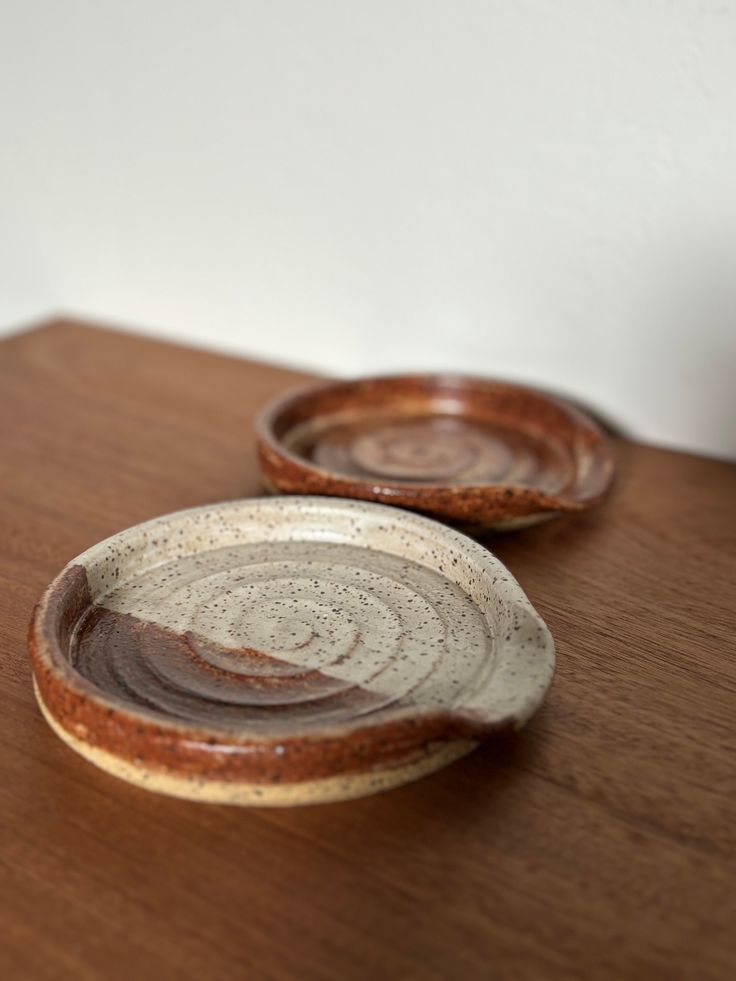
478 452
285 651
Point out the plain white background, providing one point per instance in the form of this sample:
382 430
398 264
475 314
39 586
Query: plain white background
540 189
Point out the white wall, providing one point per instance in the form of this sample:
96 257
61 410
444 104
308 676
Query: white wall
544 189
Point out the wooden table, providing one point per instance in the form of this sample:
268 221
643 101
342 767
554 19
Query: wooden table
598 844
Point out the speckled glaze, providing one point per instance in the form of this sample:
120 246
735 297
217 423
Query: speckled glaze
478 452
285 650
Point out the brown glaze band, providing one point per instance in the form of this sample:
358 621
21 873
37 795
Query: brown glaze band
297 440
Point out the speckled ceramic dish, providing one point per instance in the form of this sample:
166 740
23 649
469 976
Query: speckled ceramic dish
478 452
285 651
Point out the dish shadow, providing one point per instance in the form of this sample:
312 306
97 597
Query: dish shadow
435 808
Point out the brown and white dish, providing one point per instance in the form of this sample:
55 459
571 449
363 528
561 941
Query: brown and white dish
478 452
285 651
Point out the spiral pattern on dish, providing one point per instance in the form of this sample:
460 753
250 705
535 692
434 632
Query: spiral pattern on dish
439 449
291 633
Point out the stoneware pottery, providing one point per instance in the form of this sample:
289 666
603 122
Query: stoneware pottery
285 651
478 452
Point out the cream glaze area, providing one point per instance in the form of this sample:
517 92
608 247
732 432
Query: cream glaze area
284 614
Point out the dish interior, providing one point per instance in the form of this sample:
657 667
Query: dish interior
286 634
432 448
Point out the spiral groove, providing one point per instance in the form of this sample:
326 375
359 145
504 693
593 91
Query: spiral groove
438 449
288 634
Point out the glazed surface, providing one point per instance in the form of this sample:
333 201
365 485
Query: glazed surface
434 449
335 647
291 634
478 452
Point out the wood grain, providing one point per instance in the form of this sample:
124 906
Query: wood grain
598 844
